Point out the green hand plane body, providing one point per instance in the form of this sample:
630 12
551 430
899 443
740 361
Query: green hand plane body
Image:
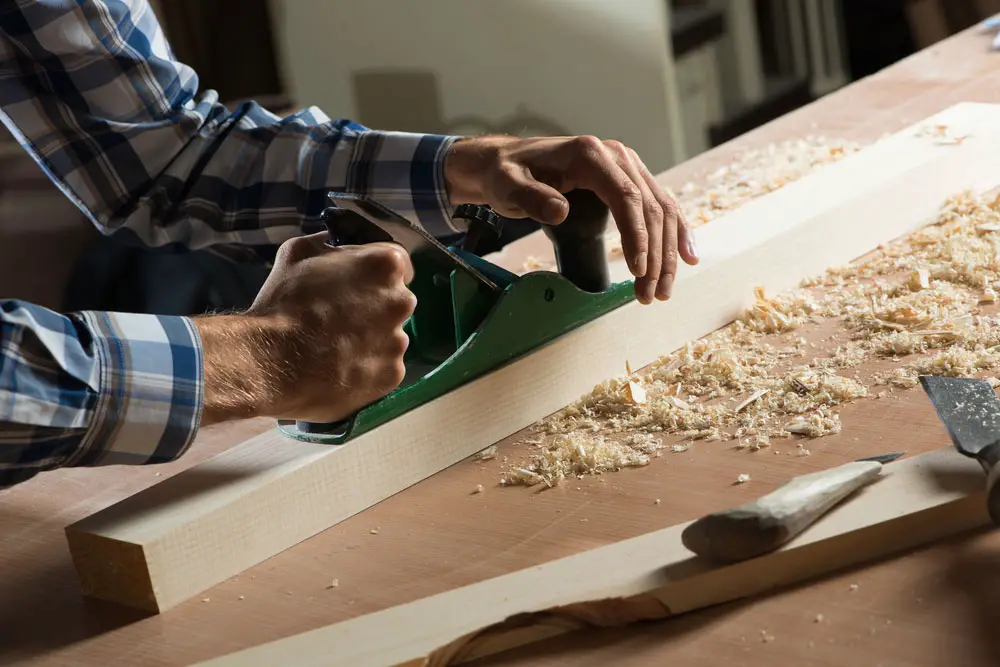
472 316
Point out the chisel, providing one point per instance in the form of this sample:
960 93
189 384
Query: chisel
771 521
970 410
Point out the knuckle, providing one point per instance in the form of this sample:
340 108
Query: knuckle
393 375
670 209
399 342
294 250
387 262
669 260
631 193
405 303
652 210
618 148
641 237
589 142
589 146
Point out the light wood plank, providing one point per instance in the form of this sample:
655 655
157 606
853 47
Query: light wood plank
215 520
918 500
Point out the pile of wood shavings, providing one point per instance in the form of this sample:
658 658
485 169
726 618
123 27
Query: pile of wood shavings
916 304
570 455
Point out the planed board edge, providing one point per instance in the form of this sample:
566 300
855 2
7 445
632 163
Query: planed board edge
216 519
917 501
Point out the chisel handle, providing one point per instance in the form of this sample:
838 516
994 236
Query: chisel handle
772 520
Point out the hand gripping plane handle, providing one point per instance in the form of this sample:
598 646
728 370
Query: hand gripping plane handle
581 253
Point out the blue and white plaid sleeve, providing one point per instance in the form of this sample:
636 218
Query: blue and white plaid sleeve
93 389
93 92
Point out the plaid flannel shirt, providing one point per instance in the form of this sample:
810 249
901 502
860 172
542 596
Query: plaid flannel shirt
94 94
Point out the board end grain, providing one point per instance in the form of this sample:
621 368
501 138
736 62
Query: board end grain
112 570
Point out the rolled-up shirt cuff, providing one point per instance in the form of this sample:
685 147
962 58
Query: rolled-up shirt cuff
405 171
151 389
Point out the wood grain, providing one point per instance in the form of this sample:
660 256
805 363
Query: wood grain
183 535
933 606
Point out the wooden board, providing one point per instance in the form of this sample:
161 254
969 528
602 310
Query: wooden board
215 520
934 606
917 500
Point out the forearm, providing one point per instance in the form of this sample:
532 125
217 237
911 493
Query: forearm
246 366
126 135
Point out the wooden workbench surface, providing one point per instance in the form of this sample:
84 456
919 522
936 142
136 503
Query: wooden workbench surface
934 607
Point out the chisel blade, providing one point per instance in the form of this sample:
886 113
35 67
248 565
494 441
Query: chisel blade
968 408
883 458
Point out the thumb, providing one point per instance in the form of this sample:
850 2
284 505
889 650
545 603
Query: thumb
521 195
300 248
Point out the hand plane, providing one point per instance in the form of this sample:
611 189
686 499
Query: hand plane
472 316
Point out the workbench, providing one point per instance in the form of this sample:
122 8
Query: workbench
932 607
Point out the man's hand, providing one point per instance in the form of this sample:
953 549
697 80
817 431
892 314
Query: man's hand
323 338
526 178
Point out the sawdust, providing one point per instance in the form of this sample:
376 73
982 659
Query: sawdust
757 172
914 307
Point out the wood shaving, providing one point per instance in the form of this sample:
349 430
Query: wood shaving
942 133
487 454
920 279
636 394
535 264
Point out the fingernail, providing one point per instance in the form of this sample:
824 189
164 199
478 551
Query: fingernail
664 287
642 296
554 210
640 265
691 248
